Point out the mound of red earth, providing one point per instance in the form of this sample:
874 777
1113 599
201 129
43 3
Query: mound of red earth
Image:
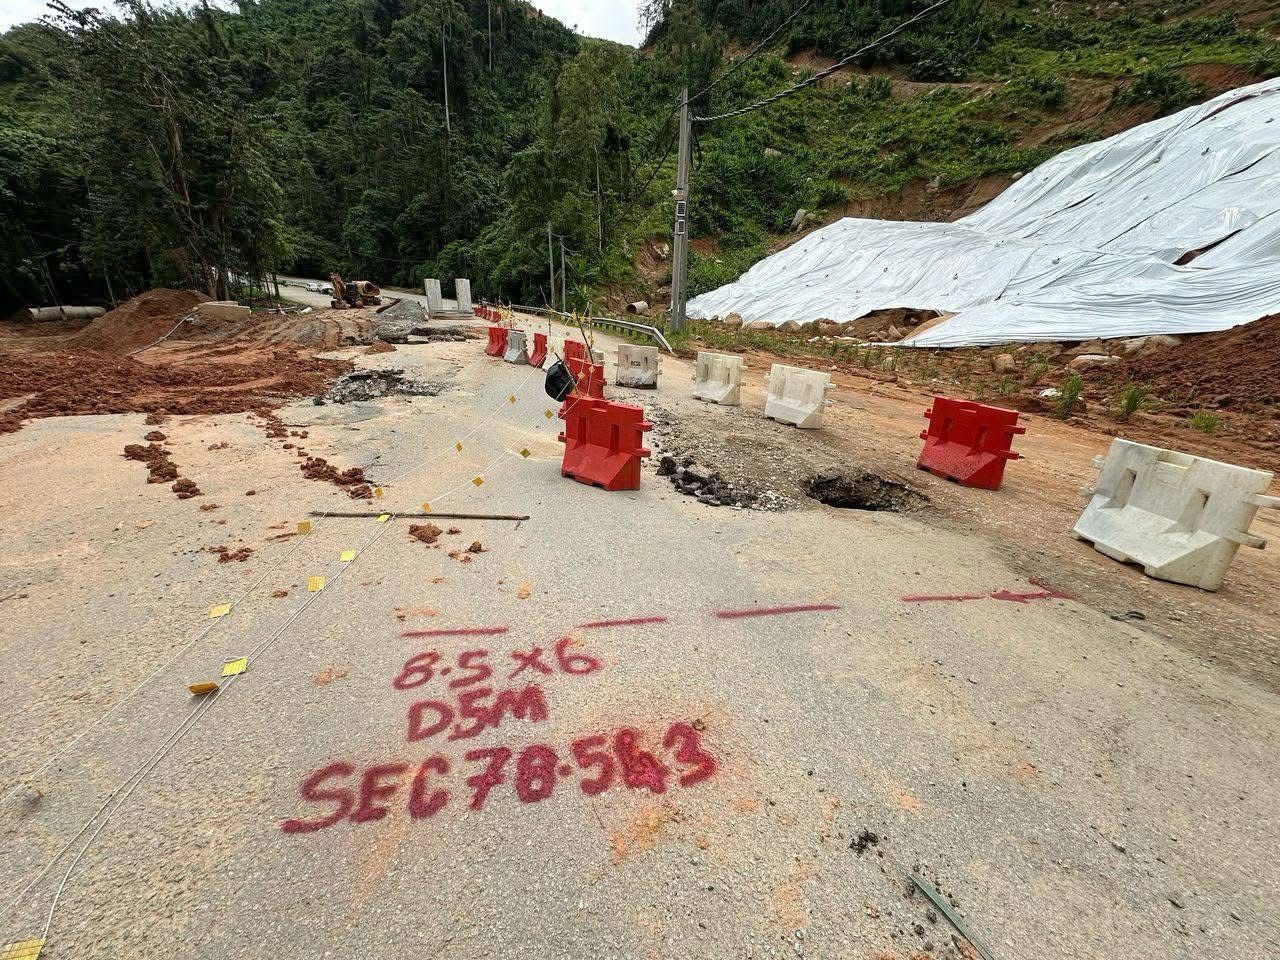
137 322
1233 369
58 384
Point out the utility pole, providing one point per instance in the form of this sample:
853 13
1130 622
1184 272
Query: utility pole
444 60
551 265
680 239
564 272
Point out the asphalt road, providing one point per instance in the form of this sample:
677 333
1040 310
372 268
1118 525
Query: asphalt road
694 783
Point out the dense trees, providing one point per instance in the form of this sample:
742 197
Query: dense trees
398 139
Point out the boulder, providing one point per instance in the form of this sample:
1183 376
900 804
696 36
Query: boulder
397 322
1004 363
1092 361
771 152
828 328
1092 348
733 321
893 334
798 220
1157 341
789 326
758 325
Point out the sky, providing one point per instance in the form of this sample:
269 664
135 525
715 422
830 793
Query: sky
611 19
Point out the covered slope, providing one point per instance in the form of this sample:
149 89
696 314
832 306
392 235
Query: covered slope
1088 245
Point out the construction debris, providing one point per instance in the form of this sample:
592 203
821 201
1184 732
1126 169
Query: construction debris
359 385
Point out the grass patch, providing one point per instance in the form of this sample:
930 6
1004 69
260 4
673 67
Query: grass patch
1069 395
1131 398
1204 421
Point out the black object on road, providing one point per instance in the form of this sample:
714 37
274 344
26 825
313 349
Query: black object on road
560 382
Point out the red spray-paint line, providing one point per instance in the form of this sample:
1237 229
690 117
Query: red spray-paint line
457 632
943 597
775 611
629 622
1008 596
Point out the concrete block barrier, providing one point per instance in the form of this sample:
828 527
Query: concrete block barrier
517 347
462 289
1181 518
637 367
435 298
717 378
797 396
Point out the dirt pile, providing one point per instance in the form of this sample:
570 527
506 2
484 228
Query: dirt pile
160 466
1234 369
60 384
137 322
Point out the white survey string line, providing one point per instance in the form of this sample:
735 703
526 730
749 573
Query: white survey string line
182 729
140 775
413 468
189 722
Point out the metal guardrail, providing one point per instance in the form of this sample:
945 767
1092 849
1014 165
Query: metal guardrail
605 322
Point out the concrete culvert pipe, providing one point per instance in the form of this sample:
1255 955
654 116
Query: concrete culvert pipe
640 306
65 313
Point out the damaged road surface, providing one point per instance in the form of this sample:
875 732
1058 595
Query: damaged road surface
633 725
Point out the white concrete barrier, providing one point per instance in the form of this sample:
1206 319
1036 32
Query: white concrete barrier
637 367
517 347
435 298
717 378
1181 518
797 396
462 290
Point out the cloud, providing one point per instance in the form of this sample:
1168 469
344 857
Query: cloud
611 19
13 12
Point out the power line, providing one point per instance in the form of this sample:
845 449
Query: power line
759 104
752 53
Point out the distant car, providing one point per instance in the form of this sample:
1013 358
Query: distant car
316 287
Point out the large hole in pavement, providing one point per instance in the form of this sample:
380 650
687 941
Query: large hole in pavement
860 490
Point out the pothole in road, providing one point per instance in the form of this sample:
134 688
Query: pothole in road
862 490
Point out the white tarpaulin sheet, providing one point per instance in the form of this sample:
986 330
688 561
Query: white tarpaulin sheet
1085 246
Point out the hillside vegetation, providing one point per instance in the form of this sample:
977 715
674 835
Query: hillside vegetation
183 147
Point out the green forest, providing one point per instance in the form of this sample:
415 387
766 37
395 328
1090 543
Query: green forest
394 140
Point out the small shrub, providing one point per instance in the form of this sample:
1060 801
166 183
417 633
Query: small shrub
1036 370
1204 421
1069 395
1049 93
1167 90
879 87
1006 387
1133 396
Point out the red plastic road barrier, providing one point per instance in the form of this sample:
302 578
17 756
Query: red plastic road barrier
539 355
457 632
497 342
969 443
603 443
575 350
774 611
589 377
629 622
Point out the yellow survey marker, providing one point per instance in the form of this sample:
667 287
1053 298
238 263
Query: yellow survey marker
235 666
221 610
22 949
